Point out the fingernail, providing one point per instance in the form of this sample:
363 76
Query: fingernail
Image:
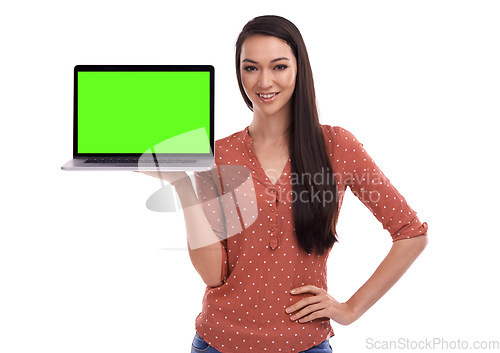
293 317
293 291
288 310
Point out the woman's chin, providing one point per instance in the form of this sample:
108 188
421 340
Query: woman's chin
269 109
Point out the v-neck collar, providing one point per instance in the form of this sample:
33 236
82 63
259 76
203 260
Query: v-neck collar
285 173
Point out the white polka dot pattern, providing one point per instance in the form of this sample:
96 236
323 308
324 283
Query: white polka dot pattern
262 260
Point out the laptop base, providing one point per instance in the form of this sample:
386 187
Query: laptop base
79 164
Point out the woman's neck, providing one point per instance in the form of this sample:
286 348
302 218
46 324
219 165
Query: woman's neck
270 129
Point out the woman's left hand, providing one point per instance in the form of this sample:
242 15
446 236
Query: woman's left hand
320 305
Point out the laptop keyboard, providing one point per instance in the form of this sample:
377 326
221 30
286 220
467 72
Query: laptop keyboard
136 160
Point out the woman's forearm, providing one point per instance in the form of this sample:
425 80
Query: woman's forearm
203 245
402 254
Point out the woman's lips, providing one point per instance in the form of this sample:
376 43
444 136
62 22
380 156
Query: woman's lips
268 97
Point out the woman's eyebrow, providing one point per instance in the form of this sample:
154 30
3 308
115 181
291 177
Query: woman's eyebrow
274 60
279 59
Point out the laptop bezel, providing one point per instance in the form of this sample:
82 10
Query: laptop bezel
142 68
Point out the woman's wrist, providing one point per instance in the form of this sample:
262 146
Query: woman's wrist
182 184
185 190
350 313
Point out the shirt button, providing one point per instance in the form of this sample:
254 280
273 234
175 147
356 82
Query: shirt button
272 210
272 230
272 190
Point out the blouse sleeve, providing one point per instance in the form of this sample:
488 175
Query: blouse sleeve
208 191
375 190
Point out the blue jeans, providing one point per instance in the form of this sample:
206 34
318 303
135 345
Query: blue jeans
199 345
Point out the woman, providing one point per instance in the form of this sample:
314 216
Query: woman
269 234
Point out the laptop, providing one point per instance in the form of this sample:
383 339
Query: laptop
143 118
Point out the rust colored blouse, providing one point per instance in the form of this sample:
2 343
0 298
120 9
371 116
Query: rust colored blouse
262 260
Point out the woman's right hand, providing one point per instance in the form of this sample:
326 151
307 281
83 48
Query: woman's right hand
170 177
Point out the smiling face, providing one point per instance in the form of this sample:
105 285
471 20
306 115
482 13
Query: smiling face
268 70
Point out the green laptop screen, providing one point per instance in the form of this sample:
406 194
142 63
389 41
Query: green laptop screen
132 112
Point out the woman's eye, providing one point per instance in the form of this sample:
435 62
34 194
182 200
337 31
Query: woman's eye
280 67
250 68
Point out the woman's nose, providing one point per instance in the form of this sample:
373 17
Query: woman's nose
265 79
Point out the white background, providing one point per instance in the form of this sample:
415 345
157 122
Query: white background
86 267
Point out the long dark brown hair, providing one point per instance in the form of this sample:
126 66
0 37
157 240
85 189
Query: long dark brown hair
315 205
